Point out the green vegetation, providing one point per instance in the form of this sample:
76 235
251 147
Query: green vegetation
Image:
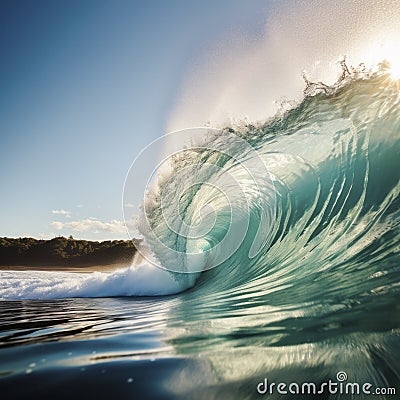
61 251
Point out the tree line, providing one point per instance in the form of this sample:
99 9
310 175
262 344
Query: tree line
62 251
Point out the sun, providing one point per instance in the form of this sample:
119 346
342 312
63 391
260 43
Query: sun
395 69
387 51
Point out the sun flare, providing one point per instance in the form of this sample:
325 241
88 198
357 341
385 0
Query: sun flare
395 68
394 60
384 49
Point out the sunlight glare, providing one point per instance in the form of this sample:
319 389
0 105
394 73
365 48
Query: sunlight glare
395 67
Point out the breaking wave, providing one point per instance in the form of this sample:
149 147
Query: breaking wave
306 202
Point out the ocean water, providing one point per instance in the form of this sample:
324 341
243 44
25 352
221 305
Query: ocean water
281 244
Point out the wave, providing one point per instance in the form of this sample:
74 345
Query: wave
306 202
138 280
324 198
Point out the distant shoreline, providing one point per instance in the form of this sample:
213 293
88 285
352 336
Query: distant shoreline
65 254
66 268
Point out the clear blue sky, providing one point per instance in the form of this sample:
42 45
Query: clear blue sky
84 86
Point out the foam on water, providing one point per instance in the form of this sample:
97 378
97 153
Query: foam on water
137 280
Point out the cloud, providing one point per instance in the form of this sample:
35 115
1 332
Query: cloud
62 212
91 224
46 236
129 205
57 225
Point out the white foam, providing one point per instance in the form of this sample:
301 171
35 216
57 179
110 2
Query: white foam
138 280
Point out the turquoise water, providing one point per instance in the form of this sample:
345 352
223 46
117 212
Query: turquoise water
312 288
